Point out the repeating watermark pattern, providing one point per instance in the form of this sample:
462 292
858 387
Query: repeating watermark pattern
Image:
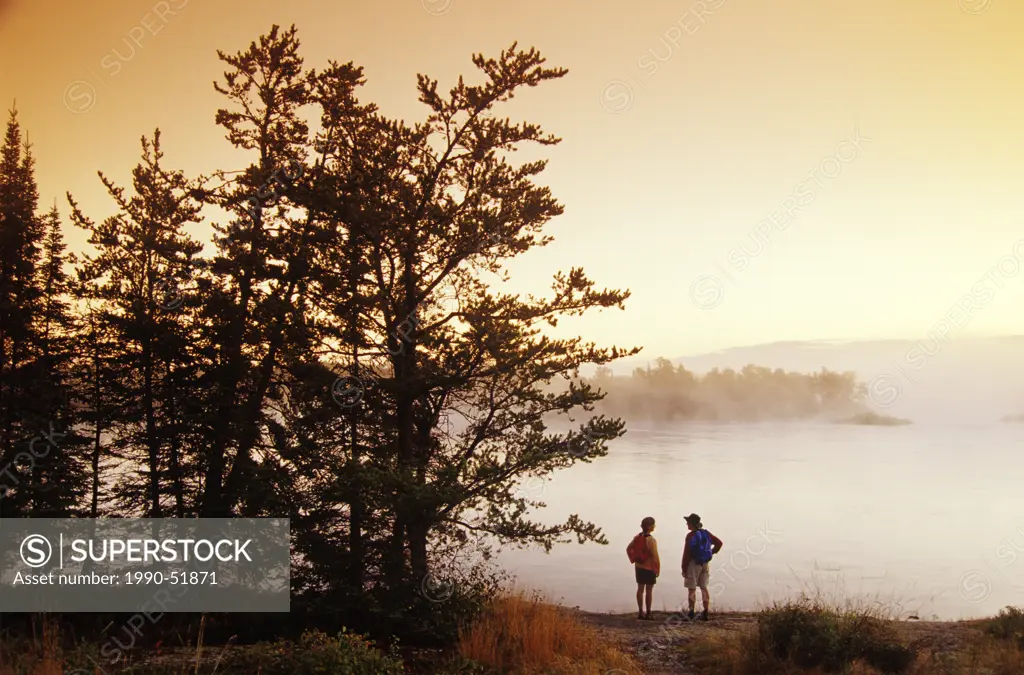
975 586
707 290
8 478
534 487
438 7
493 240
586 443
739 561
116 648
349 390
168 296
617 96
436 588
975 6
80 95
269 192
885 389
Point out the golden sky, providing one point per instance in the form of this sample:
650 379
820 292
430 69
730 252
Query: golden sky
890 132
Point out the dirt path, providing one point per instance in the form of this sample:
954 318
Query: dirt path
666 645
659 645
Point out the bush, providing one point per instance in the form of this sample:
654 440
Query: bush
1008 625
318 654
314 654
420 613
811 635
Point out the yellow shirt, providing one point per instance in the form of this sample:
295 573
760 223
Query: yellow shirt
653 562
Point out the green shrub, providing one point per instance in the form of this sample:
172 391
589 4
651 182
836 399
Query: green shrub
424 613
314 654
810 635
1007 625
462 666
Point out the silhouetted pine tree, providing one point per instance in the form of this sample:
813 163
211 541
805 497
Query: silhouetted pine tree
40 473
445 211
60 476
101 396
139 278
21 237
369 251
361 466
255 305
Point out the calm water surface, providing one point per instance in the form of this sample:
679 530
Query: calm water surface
928 520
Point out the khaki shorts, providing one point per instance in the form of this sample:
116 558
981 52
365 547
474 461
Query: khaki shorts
696 575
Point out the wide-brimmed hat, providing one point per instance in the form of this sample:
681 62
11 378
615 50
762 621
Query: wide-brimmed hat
693 519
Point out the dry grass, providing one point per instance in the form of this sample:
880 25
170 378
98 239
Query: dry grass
525 634
41 656
734 655
849 639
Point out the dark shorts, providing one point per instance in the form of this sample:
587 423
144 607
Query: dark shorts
646 577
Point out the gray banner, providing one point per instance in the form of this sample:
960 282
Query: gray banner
151 565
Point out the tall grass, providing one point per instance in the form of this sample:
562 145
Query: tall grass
815 636
527 635
810 634
39 656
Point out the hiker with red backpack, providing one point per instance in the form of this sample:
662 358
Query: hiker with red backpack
698 550
643 553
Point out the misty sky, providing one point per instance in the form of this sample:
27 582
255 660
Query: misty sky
888 130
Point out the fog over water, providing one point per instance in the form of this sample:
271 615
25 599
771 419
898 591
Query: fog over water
924 518
927 518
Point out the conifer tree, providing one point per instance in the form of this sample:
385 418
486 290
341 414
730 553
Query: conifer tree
20 248
40 472
142 269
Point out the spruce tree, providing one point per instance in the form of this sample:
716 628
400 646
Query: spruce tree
139 279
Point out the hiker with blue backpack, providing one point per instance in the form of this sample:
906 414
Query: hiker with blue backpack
698 550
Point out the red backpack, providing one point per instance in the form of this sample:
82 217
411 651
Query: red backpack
637 549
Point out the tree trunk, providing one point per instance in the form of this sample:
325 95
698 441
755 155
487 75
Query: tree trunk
97 447
356 507
152 441
213 502
419 530
405 344
174 460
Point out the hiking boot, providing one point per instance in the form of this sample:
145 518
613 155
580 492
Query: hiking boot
704 615
640 616
691 615
648 617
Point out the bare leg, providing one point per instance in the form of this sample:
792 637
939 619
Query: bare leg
639 597
692 598
706 598
650 595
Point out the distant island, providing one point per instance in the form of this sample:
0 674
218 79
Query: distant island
1014 418
874 419
666 393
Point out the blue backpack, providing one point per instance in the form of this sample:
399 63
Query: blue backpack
700 550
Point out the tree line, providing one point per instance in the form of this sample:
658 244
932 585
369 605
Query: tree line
306 360
665 392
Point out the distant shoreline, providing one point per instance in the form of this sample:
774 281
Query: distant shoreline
873 419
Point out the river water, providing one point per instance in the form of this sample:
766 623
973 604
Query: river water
923 519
